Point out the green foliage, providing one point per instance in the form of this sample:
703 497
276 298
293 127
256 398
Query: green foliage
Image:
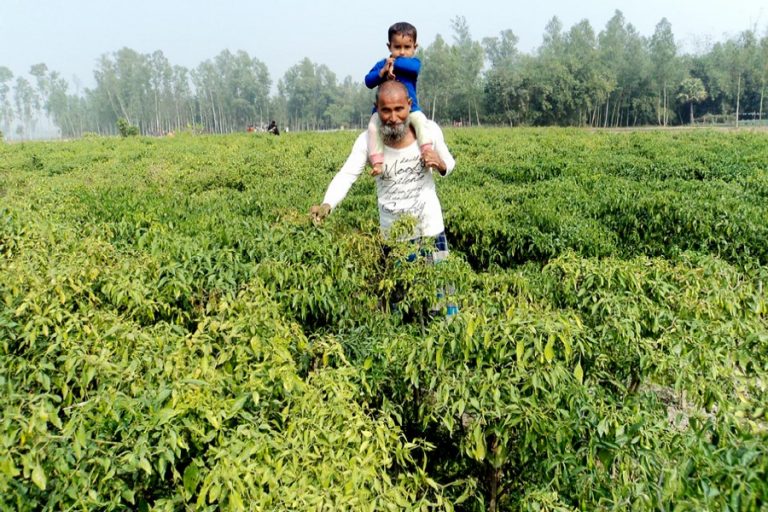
126 129
175 333
538 194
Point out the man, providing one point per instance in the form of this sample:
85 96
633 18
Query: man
406 187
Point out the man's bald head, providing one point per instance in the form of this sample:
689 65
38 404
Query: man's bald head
390 87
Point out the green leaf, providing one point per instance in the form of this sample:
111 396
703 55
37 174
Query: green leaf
578 373
191 478
212 419
144 464
238 405
38 477
549 350
8 467
79 441
479 437
129 495
235 501
214 492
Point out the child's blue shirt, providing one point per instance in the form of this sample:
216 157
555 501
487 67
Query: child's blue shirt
406 71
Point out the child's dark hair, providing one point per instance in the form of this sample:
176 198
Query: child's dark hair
402 28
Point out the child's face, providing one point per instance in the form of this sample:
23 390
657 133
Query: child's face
402 46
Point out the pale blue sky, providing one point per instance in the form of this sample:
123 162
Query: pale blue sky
346 35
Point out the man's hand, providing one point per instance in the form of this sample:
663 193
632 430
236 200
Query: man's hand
319 212
432 160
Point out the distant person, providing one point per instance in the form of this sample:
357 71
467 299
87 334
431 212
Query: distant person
272 128
401 65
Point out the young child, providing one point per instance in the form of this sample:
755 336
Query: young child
402 66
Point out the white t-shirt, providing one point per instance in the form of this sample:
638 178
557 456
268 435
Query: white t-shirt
404 188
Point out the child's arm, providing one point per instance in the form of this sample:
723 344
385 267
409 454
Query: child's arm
378 73
407 65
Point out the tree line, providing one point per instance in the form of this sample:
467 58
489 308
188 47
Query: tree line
577 77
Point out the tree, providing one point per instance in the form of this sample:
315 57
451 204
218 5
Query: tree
470 57
549 81
353 105
6 108
747 63
623 55
438 73
207 86
663 53
232 91
635 79
124 80
308 90
692 91
40 72
503 92
592 83
763 67
246 88
183 99
160 91
731 74
451 76
27 105
58 105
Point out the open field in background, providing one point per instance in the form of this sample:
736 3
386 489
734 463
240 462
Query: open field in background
175 333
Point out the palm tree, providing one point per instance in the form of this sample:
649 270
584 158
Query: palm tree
692 91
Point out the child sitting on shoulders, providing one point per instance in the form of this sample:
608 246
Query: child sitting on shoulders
401 65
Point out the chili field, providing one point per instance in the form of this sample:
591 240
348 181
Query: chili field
175 334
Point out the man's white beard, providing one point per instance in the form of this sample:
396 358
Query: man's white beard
393 134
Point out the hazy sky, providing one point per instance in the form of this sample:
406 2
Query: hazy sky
348 36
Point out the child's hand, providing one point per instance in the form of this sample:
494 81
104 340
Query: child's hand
388 71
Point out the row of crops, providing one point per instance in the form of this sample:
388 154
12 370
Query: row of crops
176 334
